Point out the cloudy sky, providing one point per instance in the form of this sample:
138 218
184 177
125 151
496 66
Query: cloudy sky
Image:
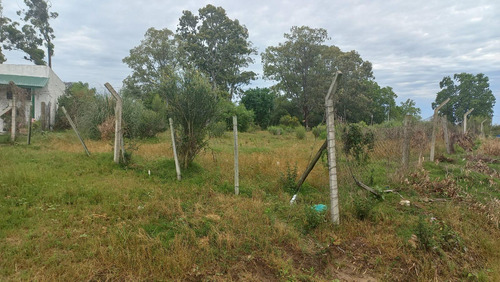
411 44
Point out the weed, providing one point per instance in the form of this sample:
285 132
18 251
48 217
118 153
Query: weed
275 130
288 179
300 132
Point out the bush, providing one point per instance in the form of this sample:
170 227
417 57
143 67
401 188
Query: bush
358 141
217 129
289 121
275 130
227 110
319 131
300 132
193 106
140 122
288 179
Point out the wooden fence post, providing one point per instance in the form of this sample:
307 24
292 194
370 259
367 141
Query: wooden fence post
446 134
236 165
76 130
465 120
118 149
406 142
172 133
435 128
332 162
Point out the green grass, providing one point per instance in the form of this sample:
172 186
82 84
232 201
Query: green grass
66 216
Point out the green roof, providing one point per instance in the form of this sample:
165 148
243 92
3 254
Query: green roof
24 81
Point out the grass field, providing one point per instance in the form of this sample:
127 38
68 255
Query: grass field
66 216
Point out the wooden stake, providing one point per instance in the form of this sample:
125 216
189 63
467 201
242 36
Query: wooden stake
332 162
435 127
76 130
236 167
311 166
177 166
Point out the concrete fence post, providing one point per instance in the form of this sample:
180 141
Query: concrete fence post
236 161
176 159
435 128
332 162
118 148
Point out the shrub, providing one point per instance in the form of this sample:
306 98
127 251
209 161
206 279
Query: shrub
300 132
319 131
192 105
275 130
358 142
289 121
140 122
217 129
227 110
288 179
313 218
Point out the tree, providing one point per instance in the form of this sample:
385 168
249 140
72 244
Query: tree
217 46
3 21
298 68
466 91
153 60
192 105
408 108
38 16
261 102
32 35
357 92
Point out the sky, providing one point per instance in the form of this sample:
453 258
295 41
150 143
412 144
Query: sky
411 44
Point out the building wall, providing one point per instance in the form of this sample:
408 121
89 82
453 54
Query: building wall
48 95
54 89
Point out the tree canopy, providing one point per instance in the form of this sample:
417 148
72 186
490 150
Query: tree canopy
261 102
155 59
298 67
218 46
30 37
466 91
303 67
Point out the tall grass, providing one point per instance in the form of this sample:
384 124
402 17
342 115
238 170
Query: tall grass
65 216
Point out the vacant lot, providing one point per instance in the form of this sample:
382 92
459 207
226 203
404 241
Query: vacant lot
66 216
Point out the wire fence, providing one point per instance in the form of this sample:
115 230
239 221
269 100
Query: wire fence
381 157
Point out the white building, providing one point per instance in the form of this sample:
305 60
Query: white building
43 87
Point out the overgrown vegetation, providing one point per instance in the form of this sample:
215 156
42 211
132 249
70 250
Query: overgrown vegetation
68 216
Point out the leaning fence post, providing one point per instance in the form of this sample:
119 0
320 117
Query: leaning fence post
74 129
332 163
118 149
465 119
435 127
177 166
236 165
406 142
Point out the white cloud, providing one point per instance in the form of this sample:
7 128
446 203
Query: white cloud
412 44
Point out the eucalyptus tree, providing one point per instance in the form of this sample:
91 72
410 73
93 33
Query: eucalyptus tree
152 62
466 91
217 46
297 65
33 34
